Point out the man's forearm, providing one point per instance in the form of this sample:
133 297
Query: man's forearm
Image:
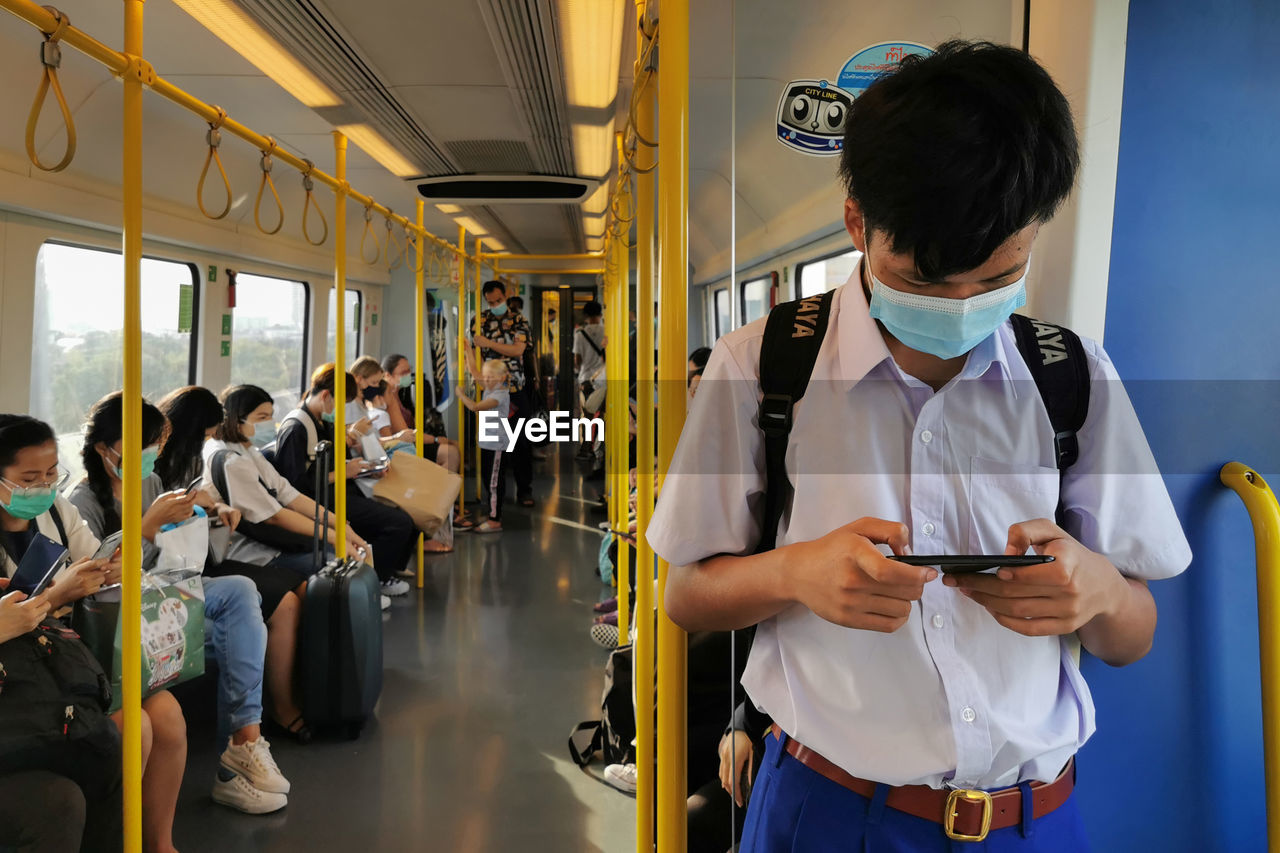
1124 633
515 350
728 593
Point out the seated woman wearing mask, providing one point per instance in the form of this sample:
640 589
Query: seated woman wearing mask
30 503
194 414
247 779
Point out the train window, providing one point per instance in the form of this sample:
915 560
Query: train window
722 319
269 337
826 273
352 306
755 298
78 338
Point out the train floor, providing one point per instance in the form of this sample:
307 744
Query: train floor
487 668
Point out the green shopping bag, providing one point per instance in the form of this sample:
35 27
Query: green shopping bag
172 631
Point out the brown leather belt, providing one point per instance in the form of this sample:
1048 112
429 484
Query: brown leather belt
965 815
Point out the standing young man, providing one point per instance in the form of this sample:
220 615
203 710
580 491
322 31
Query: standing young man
912 710
588 349
505 334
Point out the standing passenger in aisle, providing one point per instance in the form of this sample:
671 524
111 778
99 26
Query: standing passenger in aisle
505 337
910 709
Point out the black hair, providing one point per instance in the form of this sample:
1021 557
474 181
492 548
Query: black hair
18 432
492 285
391 362
592 309
515 303
322 379
700 356
191 411
949 155
238 402
106 424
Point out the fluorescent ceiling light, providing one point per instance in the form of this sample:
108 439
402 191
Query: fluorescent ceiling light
591 37
593 149
449 209
372 143
475 229
243 35
493 245
595 244
598 202
593 225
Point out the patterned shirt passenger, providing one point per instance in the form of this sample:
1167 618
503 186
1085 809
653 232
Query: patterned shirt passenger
507 329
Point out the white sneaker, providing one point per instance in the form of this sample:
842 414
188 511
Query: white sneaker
239 794
622 777
253 761
386 602
395 587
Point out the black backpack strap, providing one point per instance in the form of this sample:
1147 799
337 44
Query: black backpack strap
792 337
57 522
1055 356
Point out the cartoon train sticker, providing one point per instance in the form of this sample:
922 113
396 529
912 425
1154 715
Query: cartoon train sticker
811 116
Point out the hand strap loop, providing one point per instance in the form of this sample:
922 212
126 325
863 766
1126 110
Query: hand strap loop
309 185
51 59
368 230
266 181
213 137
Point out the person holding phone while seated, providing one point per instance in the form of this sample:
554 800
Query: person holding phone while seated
247 778
388 529
29 503
914 711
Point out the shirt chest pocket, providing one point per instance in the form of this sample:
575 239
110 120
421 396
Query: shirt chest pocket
1002 494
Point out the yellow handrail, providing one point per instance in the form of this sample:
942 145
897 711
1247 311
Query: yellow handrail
479 307
643 651
673 226
131 436
419 392
619 399
1264 513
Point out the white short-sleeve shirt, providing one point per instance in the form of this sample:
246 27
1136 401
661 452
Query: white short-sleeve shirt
247 471
952 697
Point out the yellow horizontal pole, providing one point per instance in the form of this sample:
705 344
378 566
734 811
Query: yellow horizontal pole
40 18
1264 513
588 271
581 256
119 64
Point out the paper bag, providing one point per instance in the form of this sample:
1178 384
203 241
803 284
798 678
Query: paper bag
420 487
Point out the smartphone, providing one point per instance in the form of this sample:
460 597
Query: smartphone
107 548
953 564
43 560
191 487
374 470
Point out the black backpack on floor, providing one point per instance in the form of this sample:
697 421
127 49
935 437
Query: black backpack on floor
610 736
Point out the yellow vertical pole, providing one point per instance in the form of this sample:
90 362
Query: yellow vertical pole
622 390
479 308
643 651
131 443
673 198
463 355
1264 515
340 344
419 392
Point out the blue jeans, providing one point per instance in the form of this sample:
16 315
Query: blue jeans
302 562
798 810
235 637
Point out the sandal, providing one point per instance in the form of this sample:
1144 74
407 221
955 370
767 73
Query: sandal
300 733
488 527
461 522
610 606
431 546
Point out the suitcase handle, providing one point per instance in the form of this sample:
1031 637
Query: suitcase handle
324 456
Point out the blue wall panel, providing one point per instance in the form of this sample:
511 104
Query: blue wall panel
1193 325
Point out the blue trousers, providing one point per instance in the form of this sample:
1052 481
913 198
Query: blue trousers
236 637
797 810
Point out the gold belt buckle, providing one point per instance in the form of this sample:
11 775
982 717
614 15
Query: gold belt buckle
951 813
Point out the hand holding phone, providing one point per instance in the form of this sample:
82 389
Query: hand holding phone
108 547
191 487
43 559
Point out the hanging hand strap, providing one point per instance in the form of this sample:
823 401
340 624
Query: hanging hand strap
265 182
309 185
214 138
368 229
51 58
386 249
411 242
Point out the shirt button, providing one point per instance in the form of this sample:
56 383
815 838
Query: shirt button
938 621
968 715
926 437
928 528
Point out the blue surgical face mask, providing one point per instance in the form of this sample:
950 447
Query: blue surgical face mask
264 432
946 328
498 310
149 457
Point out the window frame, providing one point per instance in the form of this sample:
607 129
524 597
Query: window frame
193 351
334 317
770 279
853 250
715 311
303 379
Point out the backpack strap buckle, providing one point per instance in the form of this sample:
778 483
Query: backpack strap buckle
775 415
1066 448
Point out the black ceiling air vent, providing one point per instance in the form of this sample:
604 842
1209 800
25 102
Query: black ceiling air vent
497 189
